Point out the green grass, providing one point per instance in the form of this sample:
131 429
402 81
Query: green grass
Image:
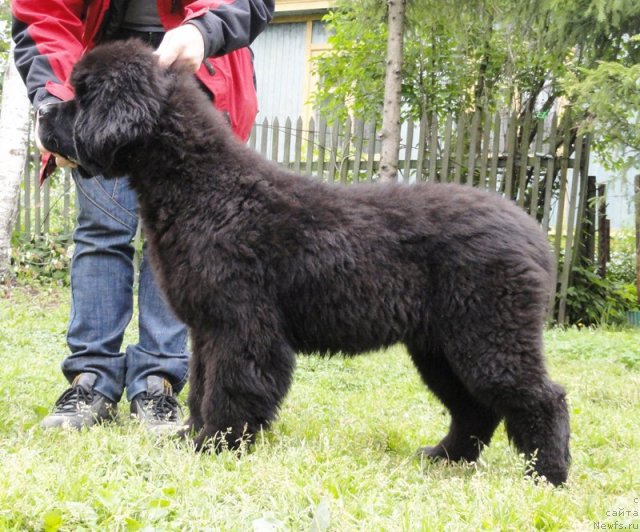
340 457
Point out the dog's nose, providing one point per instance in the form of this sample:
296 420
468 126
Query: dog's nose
45 110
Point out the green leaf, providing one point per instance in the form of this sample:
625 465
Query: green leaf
52 520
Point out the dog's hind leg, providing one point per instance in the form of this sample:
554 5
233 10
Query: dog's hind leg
247 373
472 424
507 372
537 422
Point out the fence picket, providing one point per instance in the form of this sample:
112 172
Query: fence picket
66 201
408 151
564 167
37 200
275 139
535 182
343 166
333 152
524 158
433 149
446 152
484 153
286 147
511 147
473 146
27 193
264 137
322 140
358 136
297 148
457 171
569 248
422 141
550 172
495 157
371 151
310 143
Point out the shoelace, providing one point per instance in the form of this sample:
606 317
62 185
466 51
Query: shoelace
70 399
163 407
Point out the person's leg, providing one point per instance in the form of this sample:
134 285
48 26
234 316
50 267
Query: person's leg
101 306
162 348
101 282
157 365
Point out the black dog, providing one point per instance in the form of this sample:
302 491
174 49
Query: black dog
261 263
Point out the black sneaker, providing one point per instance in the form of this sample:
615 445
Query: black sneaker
80 406
157 407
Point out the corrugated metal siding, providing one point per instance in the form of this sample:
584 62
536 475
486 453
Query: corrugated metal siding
280 65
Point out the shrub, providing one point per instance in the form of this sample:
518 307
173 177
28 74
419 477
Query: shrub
41 259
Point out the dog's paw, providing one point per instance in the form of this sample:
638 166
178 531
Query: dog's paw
213 440
190 428
434 453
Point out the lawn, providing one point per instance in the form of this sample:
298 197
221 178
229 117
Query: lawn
340 457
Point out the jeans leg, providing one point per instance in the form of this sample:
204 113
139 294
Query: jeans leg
101 282
162 349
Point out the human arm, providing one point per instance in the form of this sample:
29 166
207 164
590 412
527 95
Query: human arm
47 36
223 26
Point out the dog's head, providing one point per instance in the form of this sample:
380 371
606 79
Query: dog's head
120 92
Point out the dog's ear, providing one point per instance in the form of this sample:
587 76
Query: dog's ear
120 92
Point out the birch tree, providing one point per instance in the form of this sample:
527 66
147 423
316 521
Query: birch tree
14 134
390 133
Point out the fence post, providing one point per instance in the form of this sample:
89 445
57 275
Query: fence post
550 173
297 156
524 156
535 181
310 144
446 152
263 137
512 130
572 222
286 154
588 244
603 231
636 198
422 146
343 166
457 171
493 173
358 138
433 149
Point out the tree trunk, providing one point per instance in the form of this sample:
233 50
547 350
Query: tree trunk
14 133
390 133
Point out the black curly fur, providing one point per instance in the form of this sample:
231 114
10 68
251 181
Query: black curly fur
261 263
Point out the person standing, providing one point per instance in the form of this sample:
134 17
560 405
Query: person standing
50 36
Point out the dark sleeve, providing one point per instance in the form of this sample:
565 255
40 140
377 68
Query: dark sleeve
46 46
229 25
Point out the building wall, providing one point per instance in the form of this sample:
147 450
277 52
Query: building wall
280 65
283 61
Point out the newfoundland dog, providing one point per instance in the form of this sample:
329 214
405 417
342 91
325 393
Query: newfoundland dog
261 263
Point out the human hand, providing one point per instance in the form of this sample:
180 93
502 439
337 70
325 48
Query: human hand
61 162
183 43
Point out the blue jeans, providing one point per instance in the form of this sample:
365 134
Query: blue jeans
102 278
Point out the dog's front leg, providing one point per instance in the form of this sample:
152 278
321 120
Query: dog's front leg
243 375
197 373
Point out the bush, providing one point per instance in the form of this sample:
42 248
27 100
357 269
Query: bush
592 300
622 266
42 259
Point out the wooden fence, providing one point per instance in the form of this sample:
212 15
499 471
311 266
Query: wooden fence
541 162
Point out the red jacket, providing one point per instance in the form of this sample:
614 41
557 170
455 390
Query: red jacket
51 35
